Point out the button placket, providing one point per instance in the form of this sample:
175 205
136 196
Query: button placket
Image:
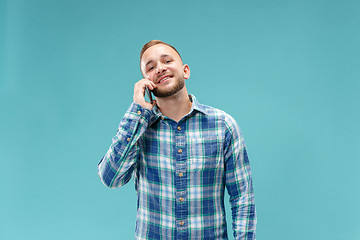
181 181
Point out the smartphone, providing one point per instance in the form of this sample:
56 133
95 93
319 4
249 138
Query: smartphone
148 94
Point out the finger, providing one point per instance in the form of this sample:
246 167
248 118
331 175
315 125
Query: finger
148 78
147 84
140 85
150 85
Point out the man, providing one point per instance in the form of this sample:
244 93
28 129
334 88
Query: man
183 155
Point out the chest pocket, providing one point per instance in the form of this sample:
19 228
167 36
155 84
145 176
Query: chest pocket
205 153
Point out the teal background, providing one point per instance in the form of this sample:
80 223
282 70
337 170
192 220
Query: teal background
287 71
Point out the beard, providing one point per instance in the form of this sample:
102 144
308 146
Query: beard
167 93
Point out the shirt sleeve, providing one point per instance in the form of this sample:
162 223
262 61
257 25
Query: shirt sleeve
116 167
239 182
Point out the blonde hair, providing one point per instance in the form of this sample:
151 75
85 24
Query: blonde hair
152 43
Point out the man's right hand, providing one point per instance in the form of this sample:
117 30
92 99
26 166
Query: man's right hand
139 93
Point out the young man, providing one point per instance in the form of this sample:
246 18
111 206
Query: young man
183 155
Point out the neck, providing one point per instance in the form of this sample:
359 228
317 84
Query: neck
176 106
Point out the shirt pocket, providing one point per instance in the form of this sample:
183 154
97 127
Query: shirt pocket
205 153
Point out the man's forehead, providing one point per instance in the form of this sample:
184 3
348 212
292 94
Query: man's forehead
158 50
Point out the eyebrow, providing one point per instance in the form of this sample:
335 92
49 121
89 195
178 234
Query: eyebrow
162 56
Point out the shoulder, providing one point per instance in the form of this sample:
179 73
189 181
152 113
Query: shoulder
219 115
230 130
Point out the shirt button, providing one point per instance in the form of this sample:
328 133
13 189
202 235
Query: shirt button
181 223
181 199
139 112
181 174
179 128
179 151
128 139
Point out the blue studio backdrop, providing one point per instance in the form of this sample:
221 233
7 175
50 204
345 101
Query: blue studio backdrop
287 71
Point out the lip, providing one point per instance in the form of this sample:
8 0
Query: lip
163 77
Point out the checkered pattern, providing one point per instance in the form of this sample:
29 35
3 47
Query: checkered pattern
181 170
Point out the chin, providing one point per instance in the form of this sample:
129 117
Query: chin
170 92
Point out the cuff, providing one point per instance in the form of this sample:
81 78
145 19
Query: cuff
137 110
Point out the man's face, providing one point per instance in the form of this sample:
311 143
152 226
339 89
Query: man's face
163 66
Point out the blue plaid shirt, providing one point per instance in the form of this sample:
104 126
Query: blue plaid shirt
181 170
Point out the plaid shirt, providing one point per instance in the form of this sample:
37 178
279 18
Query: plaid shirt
181 170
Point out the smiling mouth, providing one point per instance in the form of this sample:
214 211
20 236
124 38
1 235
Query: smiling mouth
164 78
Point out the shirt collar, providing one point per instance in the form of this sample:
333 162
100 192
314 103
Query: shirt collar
196 106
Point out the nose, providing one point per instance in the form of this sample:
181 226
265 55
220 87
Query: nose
160 68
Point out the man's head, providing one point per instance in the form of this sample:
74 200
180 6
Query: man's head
161 63
153 43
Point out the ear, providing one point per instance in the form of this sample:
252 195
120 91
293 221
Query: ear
186 71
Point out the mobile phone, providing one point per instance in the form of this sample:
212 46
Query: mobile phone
148 94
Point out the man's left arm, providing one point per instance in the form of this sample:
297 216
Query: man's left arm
239 182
